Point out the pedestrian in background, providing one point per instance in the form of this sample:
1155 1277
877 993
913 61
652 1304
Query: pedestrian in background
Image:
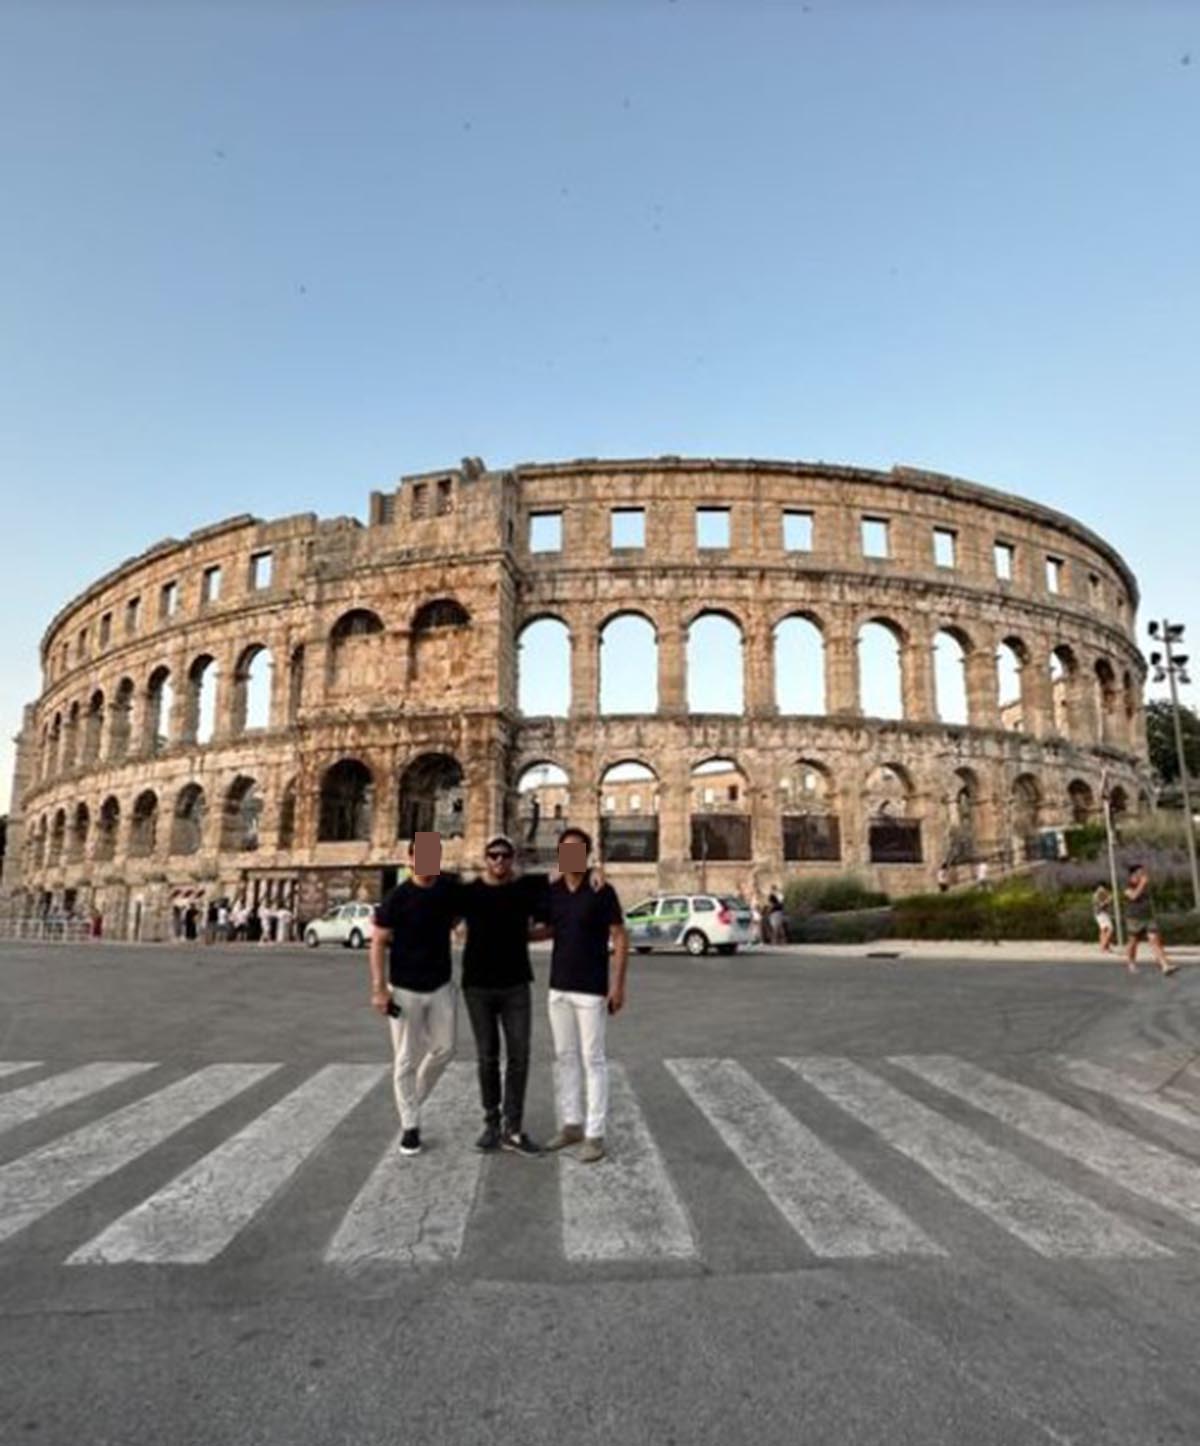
1102 913
1140 920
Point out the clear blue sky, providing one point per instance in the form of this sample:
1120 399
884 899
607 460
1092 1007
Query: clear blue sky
266 257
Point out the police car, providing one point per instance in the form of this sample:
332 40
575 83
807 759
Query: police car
695 922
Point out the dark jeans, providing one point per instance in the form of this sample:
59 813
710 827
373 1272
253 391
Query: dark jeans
491 1010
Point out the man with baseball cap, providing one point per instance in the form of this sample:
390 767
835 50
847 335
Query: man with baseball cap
496 978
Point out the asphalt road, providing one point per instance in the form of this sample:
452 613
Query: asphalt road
847 1201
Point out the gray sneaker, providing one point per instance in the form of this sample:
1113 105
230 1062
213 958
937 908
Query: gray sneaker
567 1135
593 1150
489 1140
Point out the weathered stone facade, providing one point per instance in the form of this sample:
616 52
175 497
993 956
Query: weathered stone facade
398 640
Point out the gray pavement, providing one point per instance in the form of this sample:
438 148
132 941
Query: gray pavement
850 1199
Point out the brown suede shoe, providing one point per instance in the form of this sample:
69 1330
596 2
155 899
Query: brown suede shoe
593 1150
567 1135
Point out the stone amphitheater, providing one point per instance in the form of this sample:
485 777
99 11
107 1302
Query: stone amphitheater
269 710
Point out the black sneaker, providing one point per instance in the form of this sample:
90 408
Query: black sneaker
410 1142
490 1139
517 1142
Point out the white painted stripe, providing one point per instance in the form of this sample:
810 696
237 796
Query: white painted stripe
826 1202
1136 1165
625 1207
413 1209
39 1182
1045 1215
15 1066
32 1101
1109 1082
195 1216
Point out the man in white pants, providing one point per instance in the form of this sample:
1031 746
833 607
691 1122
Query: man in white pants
581 995
412 927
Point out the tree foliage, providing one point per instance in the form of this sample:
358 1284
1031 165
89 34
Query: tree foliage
1160 735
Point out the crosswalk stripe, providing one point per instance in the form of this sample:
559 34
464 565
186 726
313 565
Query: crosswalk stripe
827 1203
625 1208
1106 1081
34 1184
194 1217
1136 1165
414 1211
29 1102
15 1066
1052 1219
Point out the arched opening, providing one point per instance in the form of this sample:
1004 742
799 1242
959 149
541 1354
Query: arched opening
1025 808
1081 801
58 836
720 811
439 644
295 682
808 808
107 827
1011 657
47 759
1129 706
93 728
544 669
54 754
347 798
714 665
962 833
543 811
432 797
880 684
120 723
1106 701
81 822
1063 671
799 656
356 644
40 843
143 825
950 677
187 822
70 743
1118 802
201 718
252 689
241 817
160 701
287 817
629 813
893 833
628 665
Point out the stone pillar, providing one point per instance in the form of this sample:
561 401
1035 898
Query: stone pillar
766 824
583 789
316 672
841 671
1037 705
916 673
758 668
674 818
585 667
223 711
983 692
281 657
672 667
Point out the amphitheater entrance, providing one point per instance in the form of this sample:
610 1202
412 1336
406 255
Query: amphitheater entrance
432 797
629 814
893 834
720 812
543 802
811 827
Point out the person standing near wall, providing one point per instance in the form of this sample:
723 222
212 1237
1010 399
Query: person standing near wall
1141 922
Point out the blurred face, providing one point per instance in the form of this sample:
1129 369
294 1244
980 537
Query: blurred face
572 856
427 854
499 861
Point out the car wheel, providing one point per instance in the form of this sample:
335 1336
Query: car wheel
726 948
356 939
695 943
310 938
641 948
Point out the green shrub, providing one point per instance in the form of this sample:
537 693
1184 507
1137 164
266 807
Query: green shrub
1088 841
859 926
836 895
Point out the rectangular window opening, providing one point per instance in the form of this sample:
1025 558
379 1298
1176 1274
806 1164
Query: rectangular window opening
712 526
875 542
797 531
168 600
545 532
262 567
133 609
1054 574
420 499
445 496
105 630
210 584
628 527
945 547
1005 556
81 644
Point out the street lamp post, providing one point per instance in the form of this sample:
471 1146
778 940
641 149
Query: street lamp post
1172 667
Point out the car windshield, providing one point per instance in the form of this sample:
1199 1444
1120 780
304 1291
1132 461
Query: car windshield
731 901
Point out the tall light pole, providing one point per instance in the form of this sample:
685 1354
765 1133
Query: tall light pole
1172 667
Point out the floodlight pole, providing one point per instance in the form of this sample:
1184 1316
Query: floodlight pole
1118 912
1189 823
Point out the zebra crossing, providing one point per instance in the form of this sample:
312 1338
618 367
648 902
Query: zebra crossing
966 1128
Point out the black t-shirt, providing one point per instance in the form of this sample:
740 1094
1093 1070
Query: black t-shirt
581 921
420 920
497 915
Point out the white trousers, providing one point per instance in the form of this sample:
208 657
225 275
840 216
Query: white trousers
423 1045
577 1027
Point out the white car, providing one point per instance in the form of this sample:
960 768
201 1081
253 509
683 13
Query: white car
348 924
695 922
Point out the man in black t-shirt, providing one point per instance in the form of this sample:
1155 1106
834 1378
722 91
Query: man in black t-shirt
581 994
495 980
412 928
